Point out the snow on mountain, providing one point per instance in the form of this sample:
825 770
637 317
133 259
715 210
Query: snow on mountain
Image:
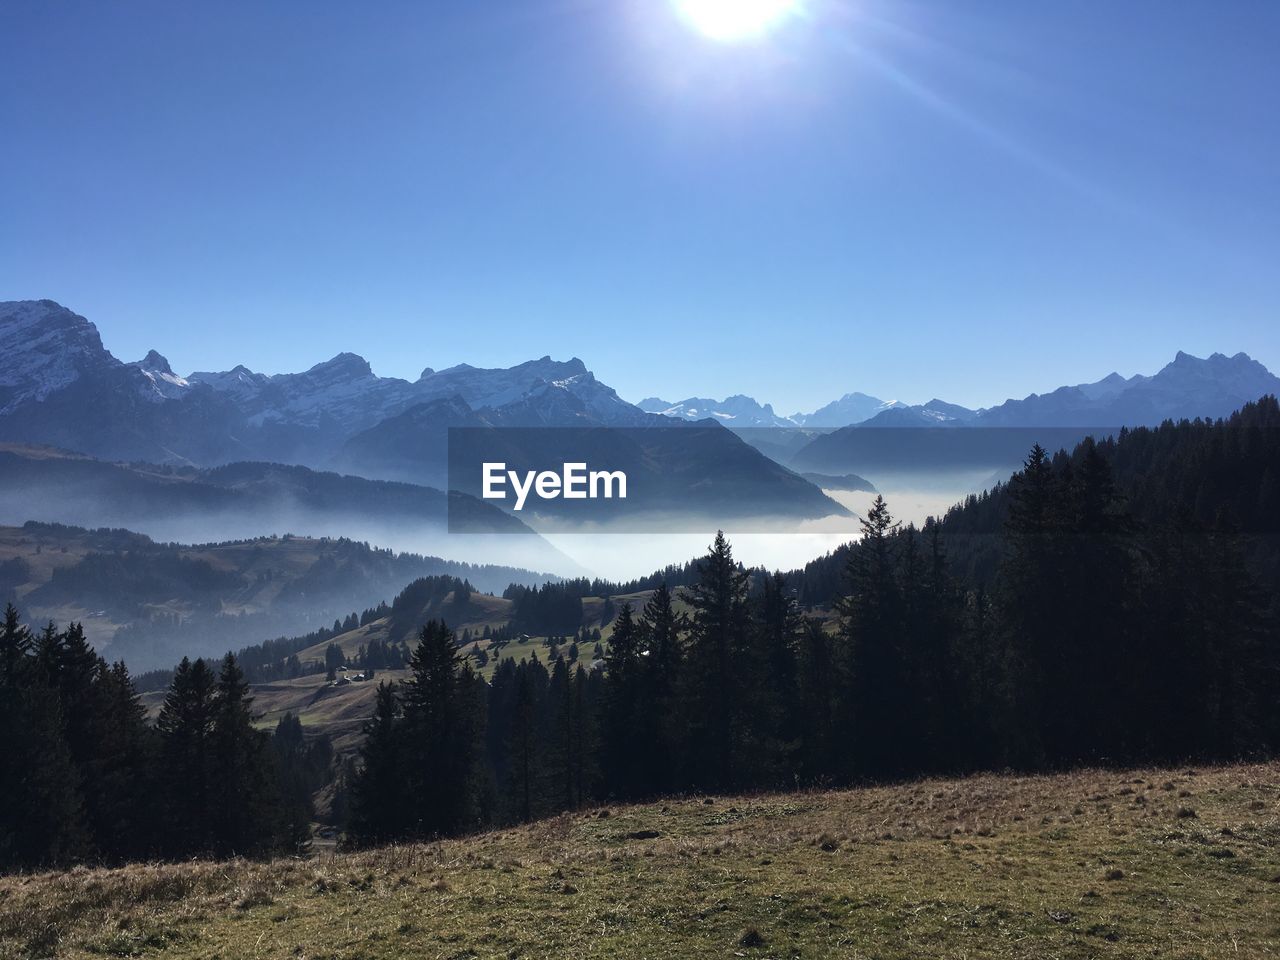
736 411
492 388
165 384
60 385
343 394
849 409
46 348
541 391
935 413
53 348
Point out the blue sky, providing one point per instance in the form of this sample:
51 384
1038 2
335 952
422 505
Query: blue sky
972 199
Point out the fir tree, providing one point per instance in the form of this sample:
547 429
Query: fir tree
243 793
380 802
711 701
185 726
440 746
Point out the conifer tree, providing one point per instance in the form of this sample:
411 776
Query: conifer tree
380 802
185 726
877 696
243 793
41 816
711 698
122 810
662 670
15 644
817 683
524 756
621 715
439 734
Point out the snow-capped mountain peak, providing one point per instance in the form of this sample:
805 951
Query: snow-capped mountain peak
736 411
46 348
165 384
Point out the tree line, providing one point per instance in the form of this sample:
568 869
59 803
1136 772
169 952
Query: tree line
86 778
1084 627
1108 632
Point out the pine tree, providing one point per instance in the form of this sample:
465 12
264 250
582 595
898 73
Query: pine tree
380 802
15 644
561 765
711 698
524 755
185 726
123 810
296 782
440 748
1030 583
770 681
333 659
41 816
243 792
661 677
876 699
621 715
817 686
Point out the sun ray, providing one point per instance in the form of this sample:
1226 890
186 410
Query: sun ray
733 20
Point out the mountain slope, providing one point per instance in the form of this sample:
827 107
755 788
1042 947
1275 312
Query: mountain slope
1186 388
851 408
153 603
734 412
998 867
46 348
244 500
71 393
60 386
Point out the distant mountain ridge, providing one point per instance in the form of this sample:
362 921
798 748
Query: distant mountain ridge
61 387
735 411
151 602
1187 387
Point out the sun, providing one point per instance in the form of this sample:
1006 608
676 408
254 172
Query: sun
730 20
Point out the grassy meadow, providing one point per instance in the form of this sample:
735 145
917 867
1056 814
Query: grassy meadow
1141 863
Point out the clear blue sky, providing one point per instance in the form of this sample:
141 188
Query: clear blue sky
972 199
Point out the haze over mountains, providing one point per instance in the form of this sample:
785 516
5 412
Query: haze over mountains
132 592
62 388
72 392
1187 387
211 456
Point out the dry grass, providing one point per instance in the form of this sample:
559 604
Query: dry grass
1092 864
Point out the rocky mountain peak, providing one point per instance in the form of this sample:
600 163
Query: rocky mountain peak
156 361
46 347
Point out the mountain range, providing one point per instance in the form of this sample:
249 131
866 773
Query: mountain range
1188 387
61 387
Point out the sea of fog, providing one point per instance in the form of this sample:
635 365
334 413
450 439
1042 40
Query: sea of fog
911 498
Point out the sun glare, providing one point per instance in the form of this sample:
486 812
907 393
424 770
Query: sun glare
730 20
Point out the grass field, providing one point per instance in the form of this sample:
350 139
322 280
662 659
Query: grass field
1175 864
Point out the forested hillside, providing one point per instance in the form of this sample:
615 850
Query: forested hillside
1099 612
1197 476
1105 632
152 603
